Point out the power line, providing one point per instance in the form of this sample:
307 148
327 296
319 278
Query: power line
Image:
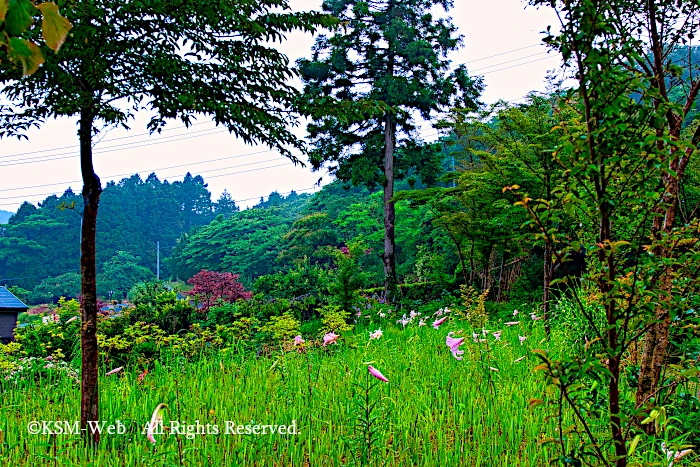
510 61
212 176
520 64
9 156
161 168
147 170
503 53
214 131
219 159
119 147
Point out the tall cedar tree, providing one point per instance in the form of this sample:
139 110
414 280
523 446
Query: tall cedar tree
392 51
177 59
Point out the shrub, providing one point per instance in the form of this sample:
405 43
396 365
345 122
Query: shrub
474 308
347 279
211 288
334 319
304 279
56 339
282 328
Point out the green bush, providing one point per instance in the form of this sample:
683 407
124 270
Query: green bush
57 339
347 279
302 280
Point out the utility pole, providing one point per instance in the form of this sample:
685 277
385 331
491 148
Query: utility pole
158 260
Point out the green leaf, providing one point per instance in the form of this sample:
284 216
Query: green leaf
54 27
27 53
633 445
19 16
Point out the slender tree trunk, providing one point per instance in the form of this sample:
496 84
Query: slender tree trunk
460 254
547 286
88 337
471 266
390 282
656 340
500 278
617 434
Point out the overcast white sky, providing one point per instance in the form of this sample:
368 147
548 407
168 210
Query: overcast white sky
502 43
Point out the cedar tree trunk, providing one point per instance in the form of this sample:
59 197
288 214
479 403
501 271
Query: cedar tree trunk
88 336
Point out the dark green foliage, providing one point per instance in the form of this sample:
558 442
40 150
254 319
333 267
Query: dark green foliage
225 205
347 277
41 242
50 290
20 293
134 215
154 303
246 243
294 282
312 237
119 275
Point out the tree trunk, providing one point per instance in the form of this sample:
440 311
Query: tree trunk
471 266
460 254
88 337
656 340
547 285
500 278
390 281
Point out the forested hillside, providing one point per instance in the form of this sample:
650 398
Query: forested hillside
43 243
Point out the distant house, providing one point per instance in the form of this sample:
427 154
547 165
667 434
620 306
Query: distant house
10 307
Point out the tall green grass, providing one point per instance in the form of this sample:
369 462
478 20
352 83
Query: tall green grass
435 410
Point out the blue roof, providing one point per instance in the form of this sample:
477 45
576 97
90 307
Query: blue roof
9 301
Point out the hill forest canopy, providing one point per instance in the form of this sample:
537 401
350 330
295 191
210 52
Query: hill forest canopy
529 279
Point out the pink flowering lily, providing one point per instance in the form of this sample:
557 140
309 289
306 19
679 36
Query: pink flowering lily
421 322
673 456
376 334
438 322
330 338
116 370
298 340
377 374
156 420
515 312
453 343
522 339
497 335
404 321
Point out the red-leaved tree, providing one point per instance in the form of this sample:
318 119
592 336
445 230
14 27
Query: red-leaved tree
211 287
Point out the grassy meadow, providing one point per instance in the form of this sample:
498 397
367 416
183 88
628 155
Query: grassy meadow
435 410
